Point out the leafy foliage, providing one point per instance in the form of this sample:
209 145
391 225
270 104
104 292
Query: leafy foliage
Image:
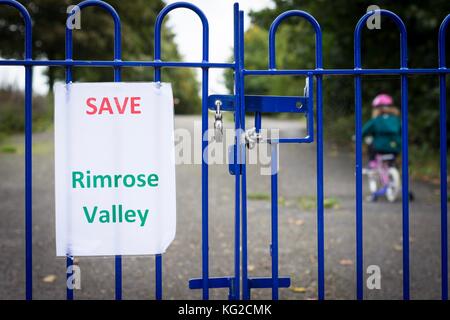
295 48
95 42
12 112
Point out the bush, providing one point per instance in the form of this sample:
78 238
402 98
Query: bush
340 130
12 112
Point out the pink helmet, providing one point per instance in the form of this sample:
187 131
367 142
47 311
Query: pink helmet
382 100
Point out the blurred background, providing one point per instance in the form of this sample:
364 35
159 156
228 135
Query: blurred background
182 41
295 50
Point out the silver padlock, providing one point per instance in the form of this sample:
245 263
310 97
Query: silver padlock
252 138
218 123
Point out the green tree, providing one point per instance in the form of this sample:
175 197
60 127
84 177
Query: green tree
95 42
338 18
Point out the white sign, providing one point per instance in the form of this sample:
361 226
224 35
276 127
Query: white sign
114 168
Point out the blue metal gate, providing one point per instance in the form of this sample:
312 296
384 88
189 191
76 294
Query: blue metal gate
239 104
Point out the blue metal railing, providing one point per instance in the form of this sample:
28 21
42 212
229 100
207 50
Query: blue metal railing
117 78
205 58
28 147
443 156
238 104
359 165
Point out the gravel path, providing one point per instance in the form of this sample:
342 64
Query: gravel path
297 219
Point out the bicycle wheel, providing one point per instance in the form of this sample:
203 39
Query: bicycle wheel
393 188
372 178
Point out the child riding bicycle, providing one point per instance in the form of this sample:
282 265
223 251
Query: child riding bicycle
384 129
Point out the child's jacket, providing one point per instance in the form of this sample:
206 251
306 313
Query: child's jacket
386 132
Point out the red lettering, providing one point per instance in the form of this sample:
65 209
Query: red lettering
91 105
135 103
109 107
105 106
122 108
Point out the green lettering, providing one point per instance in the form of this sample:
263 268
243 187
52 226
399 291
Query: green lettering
153 180
104 216
143 217
117 177
84 180
88 178
102 179
141 180
77 176
90 218
131 183
130 216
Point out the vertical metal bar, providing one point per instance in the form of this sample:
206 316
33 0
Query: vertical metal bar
358 167
118 258
443 165
237 202
358 173
405 185
28 182
358 124
205 72
69 264
258 121
157 78
118 277
272 66
234 293
28 147
118 78
443 158
320 194
205 184
405 157
158 277
69 56
320 178
246 295
274 222
28 155
158 257
205 191
358 177
243 171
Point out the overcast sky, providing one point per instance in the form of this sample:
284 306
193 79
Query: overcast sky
187 28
